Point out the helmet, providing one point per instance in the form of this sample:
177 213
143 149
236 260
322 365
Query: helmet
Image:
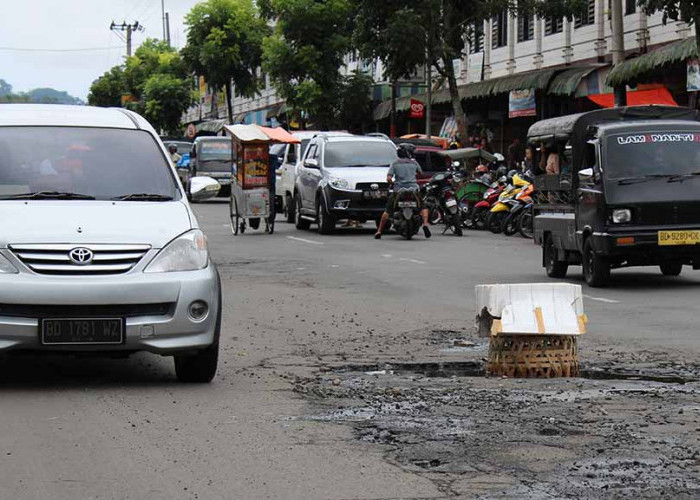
405 150
172 148
482 169
499 158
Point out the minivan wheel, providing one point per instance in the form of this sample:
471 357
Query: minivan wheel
671 268
289 209
326 223
596 268
199 368
299 221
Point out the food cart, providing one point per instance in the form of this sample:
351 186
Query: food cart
252 187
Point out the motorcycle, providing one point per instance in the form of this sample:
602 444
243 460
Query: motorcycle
407 218
441 202
523 202
481 210
469 194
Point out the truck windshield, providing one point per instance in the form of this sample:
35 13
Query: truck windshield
82 163
359 154
215 156
647 154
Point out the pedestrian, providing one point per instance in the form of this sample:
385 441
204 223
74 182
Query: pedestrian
550 160
529 163
514 154
174 156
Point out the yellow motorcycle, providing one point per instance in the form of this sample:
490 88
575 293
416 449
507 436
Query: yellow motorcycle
500 210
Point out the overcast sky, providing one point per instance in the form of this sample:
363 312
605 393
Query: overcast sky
65 25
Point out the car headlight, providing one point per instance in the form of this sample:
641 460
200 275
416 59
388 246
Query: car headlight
339 183
621 216
6 266
187 252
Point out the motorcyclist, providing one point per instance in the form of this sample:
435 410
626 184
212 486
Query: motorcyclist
174 156
402 174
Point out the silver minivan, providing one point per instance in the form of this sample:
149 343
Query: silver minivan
100 251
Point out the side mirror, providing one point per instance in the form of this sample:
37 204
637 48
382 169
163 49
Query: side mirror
586 176
203 188
193 153
455 164
311 163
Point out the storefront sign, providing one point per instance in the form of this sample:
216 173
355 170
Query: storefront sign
417 109
522 103
693 82
475 67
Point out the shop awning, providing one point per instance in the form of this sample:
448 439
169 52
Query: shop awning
568 82
213 126
276 110
632 70
657 94
255 133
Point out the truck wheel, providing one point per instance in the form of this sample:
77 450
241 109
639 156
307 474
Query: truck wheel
299 222
326 223
671 268
289 208
555 268
596 268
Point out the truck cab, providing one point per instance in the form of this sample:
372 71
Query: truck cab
627 194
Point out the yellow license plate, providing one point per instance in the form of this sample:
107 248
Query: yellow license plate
679 237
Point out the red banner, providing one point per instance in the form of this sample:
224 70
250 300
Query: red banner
417 109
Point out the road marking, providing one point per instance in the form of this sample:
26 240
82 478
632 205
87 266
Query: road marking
602 299
312 242
387 255
414 261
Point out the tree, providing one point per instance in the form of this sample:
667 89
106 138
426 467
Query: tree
224 44
165 98
687 11
306 52
355 101
404 35
107 90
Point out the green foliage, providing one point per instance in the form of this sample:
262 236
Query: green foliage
677 10
305 53
107 90
165 98
5 88
355 102
224 43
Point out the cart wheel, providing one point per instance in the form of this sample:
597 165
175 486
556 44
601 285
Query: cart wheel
235 219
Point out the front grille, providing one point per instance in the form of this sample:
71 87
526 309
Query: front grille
85 311
56 258
367 186
667 214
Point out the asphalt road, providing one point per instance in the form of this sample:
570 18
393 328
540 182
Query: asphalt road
295 302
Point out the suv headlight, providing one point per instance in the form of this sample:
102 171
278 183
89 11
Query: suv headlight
339 183
187 252
6 266
621 216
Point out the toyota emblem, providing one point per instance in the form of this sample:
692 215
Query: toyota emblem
81 256
374 187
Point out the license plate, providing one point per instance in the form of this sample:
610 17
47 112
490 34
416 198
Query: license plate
679 238
451 203
103 331
375 195
407 204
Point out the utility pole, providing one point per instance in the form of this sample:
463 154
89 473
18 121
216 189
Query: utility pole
129 28
429 81
167 27
162 12
618 48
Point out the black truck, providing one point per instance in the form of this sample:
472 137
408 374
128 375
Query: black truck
627 193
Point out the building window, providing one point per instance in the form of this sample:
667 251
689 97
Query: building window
499 30
630 7
587 17
553 26
526 27
476 38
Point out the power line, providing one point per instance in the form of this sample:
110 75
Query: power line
90 49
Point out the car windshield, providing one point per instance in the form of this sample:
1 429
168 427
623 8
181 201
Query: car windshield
359 154
644 154
87 163
219 150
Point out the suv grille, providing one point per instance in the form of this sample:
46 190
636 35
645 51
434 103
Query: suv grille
86 260
367 186
85 311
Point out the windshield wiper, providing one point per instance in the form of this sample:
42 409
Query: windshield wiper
143 197
682 177
49 195
204 160
625 181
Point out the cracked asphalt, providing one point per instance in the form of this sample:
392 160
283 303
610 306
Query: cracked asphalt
350 369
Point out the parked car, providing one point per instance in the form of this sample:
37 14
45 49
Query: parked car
289 156
211 157
99 250
342 177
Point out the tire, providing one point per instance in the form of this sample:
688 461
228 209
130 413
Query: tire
525 224
199 368
671 268
555 268
299 222
494 221
289 209
457 224
326 223
479 218
235 219
510 225
596 268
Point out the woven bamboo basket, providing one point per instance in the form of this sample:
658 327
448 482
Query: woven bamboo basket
533 356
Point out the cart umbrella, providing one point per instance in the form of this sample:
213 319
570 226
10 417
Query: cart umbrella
256 133
467 154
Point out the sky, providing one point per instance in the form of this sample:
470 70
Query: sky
43 42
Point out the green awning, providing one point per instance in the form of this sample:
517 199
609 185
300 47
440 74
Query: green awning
633 69
567 82
214 126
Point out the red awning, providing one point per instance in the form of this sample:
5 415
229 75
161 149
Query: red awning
657 95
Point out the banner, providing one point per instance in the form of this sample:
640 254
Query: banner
417 109
693 82
522 103
475 67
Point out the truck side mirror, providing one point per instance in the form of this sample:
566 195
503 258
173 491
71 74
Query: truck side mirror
586 176
311 163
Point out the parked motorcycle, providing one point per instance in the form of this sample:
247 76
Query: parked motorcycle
441 202
469 194
407 218
523 203
506 202
481 210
